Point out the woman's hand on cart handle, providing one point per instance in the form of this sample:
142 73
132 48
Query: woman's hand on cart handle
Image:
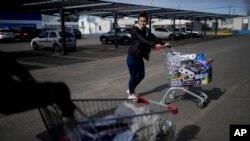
168 45
158 46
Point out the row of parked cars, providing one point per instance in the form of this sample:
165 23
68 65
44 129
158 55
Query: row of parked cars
20 33
124 34
28 33
42 38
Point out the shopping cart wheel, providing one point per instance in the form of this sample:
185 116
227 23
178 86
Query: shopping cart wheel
169 96
172 96
201 105
207 101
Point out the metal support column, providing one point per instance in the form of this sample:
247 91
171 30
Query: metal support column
115 28
150 21
216 26
63 30
173 28
192 26
205 27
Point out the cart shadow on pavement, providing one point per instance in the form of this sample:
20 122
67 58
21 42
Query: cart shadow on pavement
212 93
188 133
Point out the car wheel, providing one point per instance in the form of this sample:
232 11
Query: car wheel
35 46
171 37
125 40
195 35
104 40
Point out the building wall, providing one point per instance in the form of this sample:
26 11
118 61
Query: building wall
126 22
237 23
241 25
94 24
57 25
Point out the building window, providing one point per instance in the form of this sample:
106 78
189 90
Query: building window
245 24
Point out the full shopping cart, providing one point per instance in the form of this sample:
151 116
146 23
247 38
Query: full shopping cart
186 72
112 120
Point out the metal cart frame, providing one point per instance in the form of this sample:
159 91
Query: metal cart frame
170 93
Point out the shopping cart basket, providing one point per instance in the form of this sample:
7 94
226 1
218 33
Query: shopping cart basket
186 72
112 120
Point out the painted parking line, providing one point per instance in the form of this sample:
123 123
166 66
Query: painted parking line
81 58
92 52
38 64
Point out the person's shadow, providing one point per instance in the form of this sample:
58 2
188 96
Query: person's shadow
188 133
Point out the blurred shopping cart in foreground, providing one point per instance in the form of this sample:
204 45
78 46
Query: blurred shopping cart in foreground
112 120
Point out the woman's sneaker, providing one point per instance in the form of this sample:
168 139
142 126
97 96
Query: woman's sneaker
137 95
133 97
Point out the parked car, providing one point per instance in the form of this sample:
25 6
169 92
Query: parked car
76 32
26 33
164 33
183 34
123 36
6 34
53 38
195 33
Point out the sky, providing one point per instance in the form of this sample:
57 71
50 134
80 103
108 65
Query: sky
233 7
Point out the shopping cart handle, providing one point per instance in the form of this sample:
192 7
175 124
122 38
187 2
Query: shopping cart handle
173 108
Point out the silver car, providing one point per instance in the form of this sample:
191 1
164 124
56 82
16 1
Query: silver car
53 38
123 36
164 33
6 34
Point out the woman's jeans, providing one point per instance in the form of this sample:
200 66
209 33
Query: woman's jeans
136 70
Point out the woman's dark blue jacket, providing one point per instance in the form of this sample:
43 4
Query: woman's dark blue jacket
142 40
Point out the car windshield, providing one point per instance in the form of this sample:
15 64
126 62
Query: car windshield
126 30
68 34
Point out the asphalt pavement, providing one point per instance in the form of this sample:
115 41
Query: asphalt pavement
100 71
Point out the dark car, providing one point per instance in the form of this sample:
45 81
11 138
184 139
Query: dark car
26 33
123 36
76 32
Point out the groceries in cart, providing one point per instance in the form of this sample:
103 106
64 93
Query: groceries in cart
113 120
188 69
123 125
